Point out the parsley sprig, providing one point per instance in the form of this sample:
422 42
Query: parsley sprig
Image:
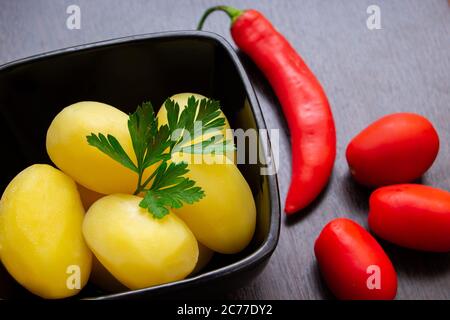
153 144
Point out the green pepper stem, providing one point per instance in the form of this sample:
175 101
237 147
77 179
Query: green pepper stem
233 13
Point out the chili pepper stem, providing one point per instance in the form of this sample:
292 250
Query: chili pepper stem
233 13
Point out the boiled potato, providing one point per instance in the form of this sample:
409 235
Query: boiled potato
103 279
224 220
136 248
69 150
41 239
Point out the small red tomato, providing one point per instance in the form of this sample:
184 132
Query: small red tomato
412 216
397 148
353 264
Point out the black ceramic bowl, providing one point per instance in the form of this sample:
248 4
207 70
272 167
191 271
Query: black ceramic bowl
124 73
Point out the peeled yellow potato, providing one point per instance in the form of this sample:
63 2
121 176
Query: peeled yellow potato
137 249
224 220
69 150
41 239
88 197
103 279
205 255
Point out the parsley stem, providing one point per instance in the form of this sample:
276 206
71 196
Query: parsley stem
141 187
146 182
138 188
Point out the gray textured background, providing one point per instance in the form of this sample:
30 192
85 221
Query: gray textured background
366 74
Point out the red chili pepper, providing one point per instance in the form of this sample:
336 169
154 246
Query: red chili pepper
304 103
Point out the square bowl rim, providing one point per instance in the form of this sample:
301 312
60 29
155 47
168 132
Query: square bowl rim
265 250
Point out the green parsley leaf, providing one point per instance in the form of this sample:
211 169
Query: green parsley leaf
149 141
142 126
204 111
156 147
110 146
170 189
